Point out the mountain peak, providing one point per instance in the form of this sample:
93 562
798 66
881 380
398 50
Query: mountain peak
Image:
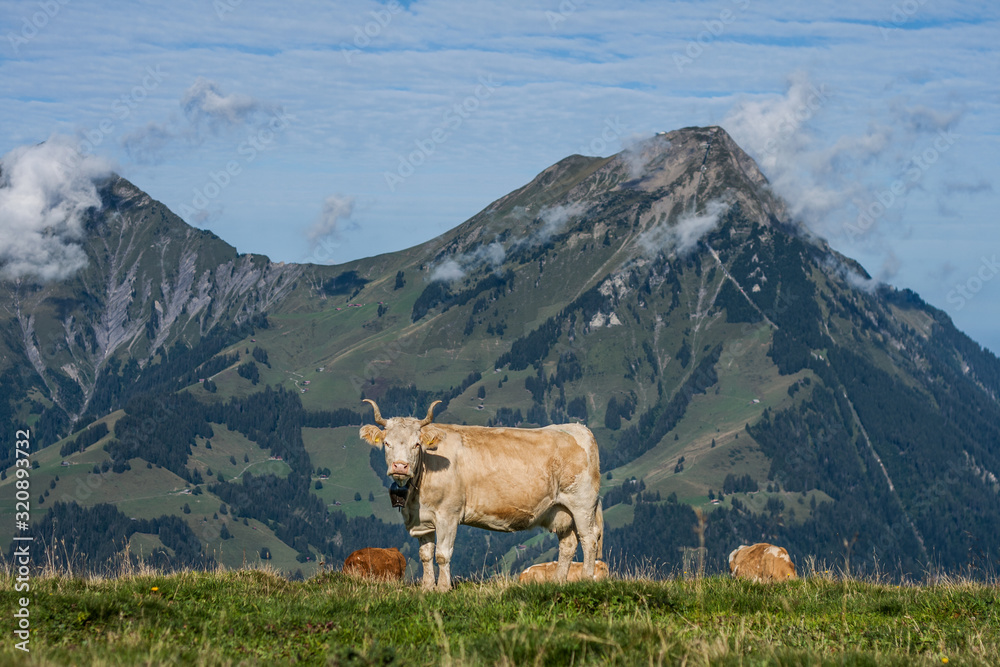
698 165
663 177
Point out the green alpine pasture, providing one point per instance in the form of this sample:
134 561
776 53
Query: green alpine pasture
254 616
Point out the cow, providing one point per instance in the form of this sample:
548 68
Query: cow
544 572
374 563
501 479
762 563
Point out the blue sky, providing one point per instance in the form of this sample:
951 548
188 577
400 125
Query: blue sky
328 131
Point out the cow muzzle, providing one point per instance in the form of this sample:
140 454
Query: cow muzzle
400 471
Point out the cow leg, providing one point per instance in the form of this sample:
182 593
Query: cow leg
427 558
445 547
588 540
567 550
586 527
590 533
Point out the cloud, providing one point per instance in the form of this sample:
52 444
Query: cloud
858 281
336 208
640 151
457 266
207 111
855 187
682 236
45 192
850 276
554 220
447 271
920 118
205 104
890 267
774 131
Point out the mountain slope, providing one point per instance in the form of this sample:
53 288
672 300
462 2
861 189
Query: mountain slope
151 282
726 360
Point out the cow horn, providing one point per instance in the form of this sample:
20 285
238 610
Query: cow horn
378 415
430 414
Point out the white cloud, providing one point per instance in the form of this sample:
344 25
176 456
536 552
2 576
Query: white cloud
204 102
682 236
207 111
850 276
853 189
45 192
640 150
447 271
457 266
336 208
774 130
554 219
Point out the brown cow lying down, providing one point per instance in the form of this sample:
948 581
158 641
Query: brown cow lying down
761 562
374 563
544 572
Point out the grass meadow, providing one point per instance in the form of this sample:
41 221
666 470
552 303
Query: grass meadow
256 617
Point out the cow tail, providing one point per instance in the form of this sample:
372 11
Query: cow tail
599 527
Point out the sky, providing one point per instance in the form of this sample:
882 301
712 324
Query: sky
328 131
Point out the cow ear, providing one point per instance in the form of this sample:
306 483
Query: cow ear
430 436
372 434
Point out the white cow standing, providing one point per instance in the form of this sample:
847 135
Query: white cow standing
502 479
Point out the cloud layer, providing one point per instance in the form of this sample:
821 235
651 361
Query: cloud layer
45 192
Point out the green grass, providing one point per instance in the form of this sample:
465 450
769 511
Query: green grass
346 455
257 617
226 444
746 374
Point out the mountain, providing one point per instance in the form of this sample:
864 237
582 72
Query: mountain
745 381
